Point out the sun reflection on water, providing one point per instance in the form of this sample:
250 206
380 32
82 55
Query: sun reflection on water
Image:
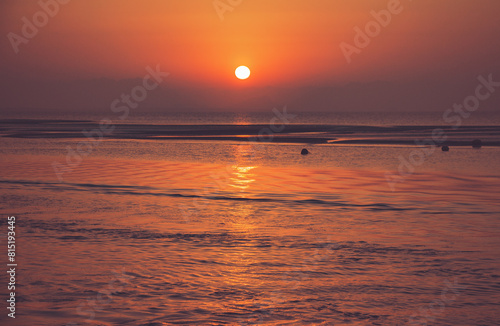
242 179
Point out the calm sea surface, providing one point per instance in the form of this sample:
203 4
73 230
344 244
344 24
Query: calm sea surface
180 220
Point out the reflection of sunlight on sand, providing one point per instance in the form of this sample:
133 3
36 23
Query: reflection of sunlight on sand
241 120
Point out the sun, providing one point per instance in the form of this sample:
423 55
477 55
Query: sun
242 72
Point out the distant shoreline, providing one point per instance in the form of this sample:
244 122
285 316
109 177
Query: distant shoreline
293 133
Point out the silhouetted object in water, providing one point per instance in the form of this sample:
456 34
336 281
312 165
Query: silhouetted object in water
477 143
445 148
304 151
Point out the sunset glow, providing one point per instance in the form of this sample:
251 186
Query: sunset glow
250 162
310 50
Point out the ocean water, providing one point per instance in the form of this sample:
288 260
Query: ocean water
196 220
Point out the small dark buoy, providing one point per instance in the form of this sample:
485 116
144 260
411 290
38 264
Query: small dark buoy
304 151
477 143
445 148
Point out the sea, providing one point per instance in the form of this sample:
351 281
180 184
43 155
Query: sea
218 219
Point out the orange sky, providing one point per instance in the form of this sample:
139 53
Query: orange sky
286 43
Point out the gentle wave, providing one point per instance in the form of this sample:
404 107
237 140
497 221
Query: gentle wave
151 191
